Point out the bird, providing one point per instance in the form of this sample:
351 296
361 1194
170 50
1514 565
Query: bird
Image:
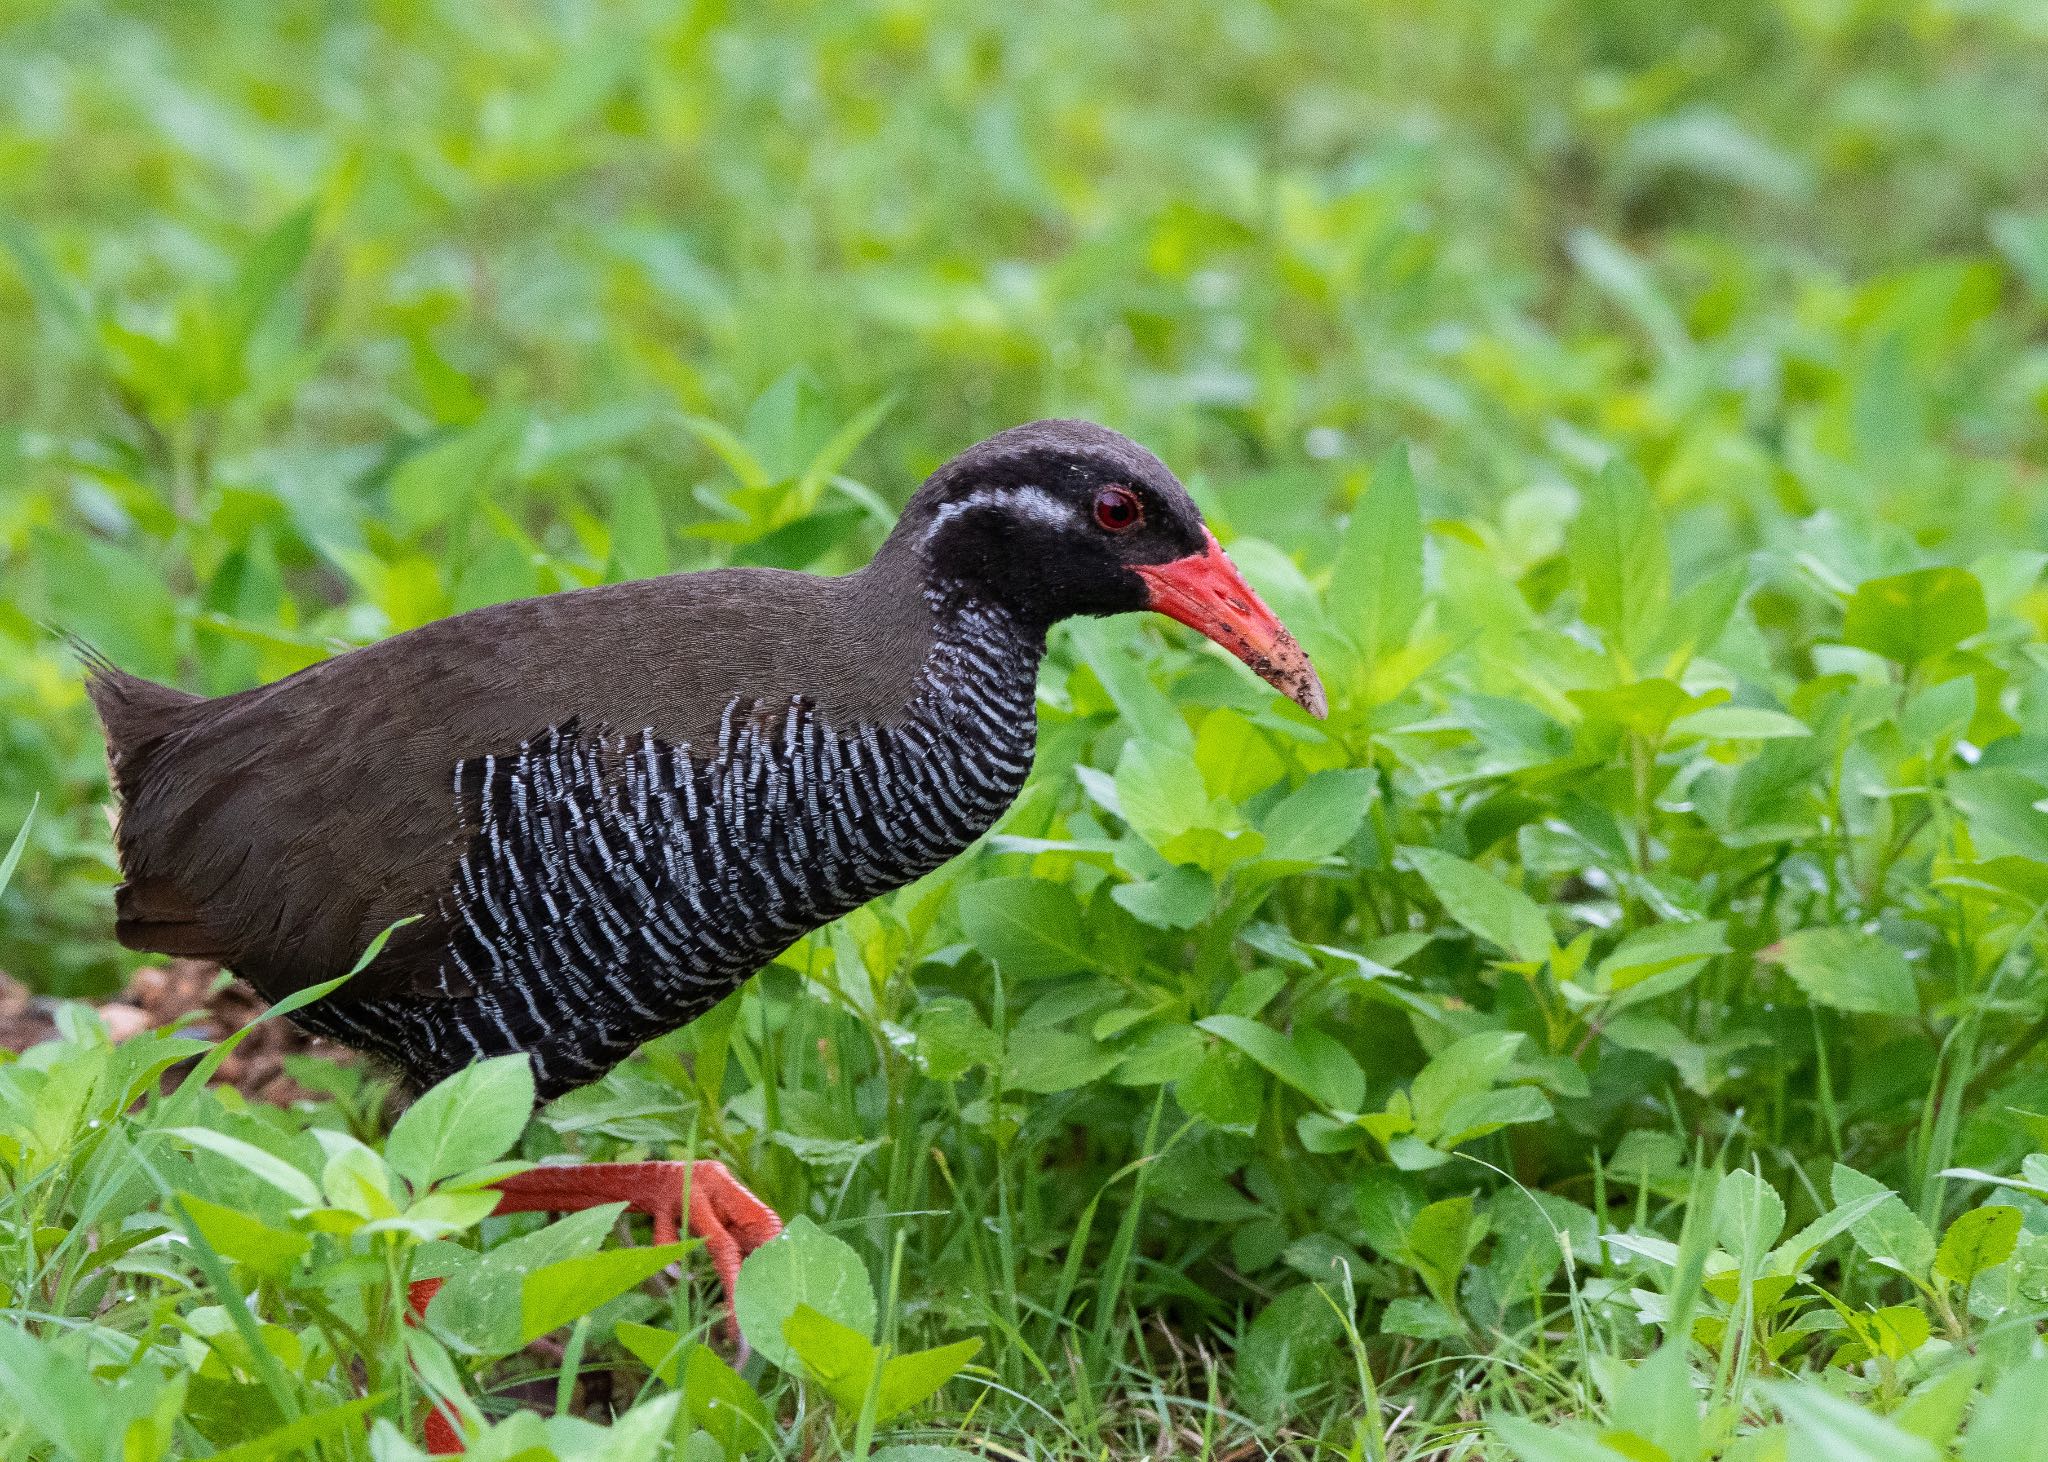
604 809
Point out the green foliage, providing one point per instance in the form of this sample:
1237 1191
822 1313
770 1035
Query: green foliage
1614 1033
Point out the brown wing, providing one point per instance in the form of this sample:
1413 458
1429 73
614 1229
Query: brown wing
281 829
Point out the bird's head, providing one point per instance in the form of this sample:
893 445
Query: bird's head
1059 518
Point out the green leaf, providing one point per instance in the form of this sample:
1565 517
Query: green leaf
1159 789
252 1159
1620 560
1482 903
470 1119
1125 676
1313 1063
481 1305
1463 1070
661 1351
267 271
7 864
1438 1243
1841 1431
1048 1061
1848 969
271 1252
1748 1217
1318 818
1030 928
1740 723
1180 898
2007 1426
1892 1233
556 1294
439 481
1658 960
723 1404
1981 1239
1532 1443
913 1379
1375 593
840 1360
1913 617
300 1438
806 1266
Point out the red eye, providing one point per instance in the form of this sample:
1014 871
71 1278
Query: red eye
1117 510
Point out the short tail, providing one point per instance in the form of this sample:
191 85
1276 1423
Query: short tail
140 717
134 712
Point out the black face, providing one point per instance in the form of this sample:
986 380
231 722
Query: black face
1054 519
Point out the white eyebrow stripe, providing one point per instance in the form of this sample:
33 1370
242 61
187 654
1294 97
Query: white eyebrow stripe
1027 501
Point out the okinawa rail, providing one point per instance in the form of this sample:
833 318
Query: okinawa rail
604 809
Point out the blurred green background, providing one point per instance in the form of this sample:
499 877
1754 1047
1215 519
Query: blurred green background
318 321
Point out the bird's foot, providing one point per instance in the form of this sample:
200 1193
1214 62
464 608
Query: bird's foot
731 1221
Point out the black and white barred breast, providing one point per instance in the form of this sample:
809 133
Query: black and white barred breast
614 886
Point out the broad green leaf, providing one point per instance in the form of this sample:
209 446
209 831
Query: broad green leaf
470 1119
1848 969
2007 1425
1981 1239
568 1289
1295 1343
1160 791
1313 1063
1236 758
1655 1400
1748 1217
1645 708
302 1437
1440 1240
661 1351
806 1266
1830 1428
1030 928
1471 1117
481 1304
1044 1062
1529 1442
724 1404
1318 818
1181 898
71 1411
913 1379
840 1360
1913 617
272 1169
1892 1232
272 1252
1482 903
438 482
1620 559
1739 723
1376 583
1658 960
1128 680
1465 1069
267 271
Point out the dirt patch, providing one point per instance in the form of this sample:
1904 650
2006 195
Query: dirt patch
160 996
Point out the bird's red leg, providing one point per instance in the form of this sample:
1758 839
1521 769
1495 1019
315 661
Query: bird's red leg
441 1437
731 1221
